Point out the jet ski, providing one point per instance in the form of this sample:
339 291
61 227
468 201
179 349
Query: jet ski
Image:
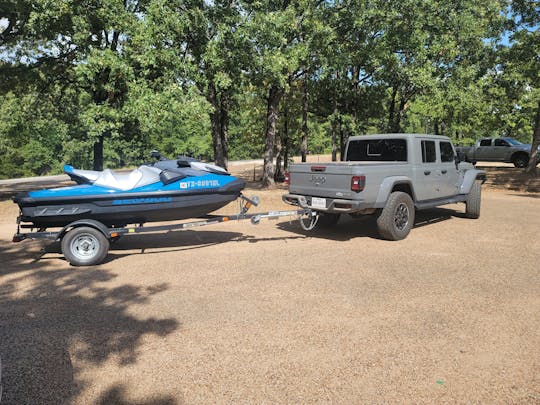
165 190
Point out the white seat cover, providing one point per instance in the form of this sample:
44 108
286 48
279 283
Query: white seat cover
139 177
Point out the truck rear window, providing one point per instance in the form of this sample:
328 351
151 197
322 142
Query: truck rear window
377 150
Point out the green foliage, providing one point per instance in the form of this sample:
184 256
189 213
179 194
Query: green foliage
179 75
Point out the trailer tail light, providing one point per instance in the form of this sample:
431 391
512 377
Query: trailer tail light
287 178
318 168
358 183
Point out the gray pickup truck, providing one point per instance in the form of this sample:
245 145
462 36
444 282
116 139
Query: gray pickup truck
389 175
506 150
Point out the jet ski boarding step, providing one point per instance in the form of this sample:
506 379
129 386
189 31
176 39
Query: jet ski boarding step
86 242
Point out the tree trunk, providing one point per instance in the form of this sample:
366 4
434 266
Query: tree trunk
303 147
274 96
286 138
98 153
334 131
278 175
341 140
224 127
216 127
401 111
437 129
531 167
392 109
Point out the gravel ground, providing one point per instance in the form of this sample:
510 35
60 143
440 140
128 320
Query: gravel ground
272 314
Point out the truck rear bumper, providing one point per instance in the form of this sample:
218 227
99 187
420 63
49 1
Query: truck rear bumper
333 205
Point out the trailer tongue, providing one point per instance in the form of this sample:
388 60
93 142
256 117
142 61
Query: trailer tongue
86 242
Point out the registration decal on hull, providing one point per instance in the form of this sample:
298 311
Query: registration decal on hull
184 185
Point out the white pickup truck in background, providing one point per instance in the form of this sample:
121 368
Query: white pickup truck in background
389 175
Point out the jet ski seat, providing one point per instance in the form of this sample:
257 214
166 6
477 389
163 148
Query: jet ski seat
139 177
81 176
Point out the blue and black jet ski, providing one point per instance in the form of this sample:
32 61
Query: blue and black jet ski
166 190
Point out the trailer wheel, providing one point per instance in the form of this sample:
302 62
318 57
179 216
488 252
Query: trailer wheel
397 217
472 205
84 246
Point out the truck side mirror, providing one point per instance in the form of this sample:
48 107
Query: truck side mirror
459 157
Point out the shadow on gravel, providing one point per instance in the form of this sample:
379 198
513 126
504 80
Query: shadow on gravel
173 241
50 315
510 178
19 259
366 226
117 396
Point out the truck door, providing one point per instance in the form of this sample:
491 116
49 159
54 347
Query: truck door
501 150
426 175
447 172
484 151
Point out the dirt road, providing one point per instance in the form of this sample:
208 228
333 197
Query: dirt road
238 313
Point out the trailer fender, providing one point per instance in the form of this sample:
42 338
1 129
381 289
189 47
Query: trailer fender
469 178
388 185
84 222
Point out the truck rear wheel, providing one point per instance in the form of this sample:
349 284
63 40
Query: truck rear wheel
472 205
397 217
84 246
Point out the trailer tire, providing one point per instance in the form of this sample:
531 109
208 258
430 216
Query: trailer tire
85 246
397 216
472 205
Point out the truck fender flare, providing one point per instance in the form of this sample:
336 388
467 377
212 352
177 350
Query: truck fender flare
517 153
84 222
386 188
469 178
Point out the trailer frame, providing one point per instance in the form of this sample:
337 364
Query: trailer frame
84 238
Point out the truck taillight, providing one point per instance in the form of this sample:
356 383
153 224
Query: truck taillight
287 178
358 183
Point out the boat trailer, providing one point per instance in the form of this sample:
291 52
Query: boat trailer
86 242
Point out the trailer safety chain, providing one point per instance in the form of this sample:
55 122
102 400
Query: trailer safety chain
312 217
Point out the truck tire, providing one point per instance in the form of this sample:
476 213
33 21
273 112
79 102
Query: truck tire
520 160
84 246
472 205
397 217
327 219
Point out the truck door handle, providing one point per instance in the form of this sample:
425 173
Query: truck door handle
444 171
427 172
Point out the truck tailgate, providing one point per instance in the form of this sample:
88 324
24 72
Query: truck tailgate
323 180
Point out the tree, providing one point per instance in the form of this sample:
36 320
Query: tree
524 64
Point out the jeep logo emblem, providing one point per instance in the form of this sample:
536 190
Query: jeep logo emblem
318 179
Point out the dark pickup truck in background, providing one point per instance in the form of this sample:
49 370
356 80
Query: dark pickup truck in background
506 150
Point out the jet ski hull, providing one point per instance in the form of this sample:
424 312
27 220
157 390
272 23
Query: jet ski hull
120 209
